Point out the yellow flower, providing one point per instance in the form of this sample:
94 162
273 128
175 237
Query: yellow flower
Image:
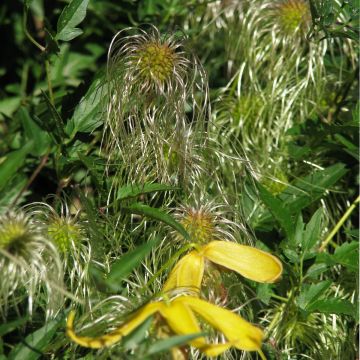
249 262
179 314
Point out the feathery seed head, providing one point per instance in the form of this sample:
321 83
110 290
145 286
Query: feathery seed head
206 222
15 230
63 232
293 15
28 262
149 61
155 61
67 232
153 80
199 224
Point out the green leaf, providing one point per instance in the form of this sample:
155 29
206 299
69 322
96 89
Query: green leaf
278 210
315 270
34 132
9 105
312 231
333 306
11 326
55 124
127 263
263 292
88 114
299 231
72 15
311 293
309 189
12 189
38 340
13 162
174 341
145 210
348 255
130 191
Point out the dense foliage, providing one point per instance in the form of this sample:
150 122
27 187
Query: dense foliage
149 147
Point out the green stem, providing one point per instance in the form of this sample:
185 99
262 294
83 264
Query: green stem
263 357
339 224
48 78
43 50
28 35
279 297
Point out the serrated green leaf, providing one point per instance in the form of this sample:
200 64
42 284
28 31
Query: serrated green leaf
174 341
333 306
311 293
145 210
38 340
279 211
127 263
13 161
131 191
88 114
71 16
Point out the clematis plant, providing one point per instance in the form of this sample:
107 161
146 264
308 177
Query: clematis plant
249 262
180 315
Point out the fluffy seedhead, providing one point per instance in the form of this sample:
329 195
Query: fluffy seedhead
207 221
293 16
68 233
158 107
30 265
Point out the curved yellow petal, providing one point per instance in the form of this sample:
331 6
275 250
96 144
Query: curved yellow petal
182 321
188 272
111 338
250 262
238 331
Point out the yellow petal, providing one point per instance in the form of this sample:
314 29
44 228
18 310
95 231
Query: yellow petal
182 321
238 331
111 338
250 262
216 349
188 272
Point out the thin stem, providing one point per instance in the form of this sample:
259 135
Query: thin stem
48 78
339 224
43 50
28 35
36 172
279 297
263 357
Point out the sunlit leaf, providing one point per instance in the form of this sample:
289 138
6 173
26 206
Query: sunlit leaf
71 16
